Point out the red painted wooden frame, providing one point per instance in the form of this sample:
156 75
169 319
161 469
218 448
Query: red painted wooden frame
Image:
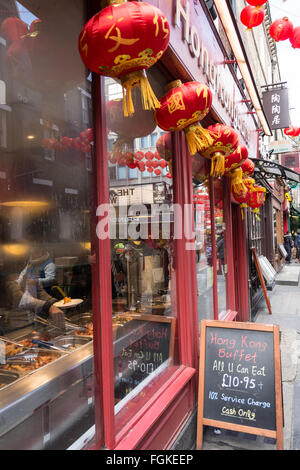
186 293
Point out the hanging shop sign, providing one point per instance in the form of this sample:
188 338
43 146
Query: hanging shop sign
240 379
276 107
281 146
194 42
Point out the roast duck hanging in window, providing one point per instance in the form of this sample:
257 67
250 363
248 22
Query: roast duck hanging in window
122 41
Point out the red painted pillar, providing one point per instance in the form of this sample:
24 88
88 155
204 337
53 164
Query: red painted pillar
185 259
103 338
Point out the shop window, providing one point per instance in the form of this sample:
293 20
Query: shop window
3 129
290 161
46 234
203 244
153 138
144 142
132 173
141 275
221 251
122 173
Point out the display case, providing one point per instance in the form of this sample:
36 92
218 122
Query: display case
46 386
50 407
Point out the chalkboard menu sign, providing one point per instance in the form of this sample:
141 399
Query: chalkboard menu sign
240 378
143 347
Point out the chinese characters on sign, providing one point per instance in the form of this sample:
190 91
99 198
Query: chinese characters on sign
276 107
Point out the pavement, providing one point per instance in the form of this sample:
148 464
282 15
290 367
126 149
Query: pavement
285 305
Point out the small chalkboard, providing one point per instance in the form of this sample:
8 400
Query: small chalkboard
240 379
145 346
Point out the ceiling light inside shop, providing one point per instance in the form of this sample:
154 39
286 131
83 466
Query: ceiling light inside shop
86 245
240 56
30 137
26 204
16 249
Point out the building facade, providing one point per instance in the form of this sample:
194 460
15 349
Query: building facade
135 259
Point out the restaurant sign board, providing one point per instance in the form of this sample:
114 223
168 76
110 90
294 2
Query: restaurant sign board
276 107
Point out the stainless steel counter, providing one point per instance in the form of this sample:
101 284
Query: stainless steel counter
51 407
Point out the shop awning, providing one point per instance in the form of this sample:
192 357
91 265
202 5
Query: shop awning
270 169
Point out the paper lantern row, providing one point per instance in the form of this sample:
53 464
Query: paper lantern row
281 29
82 143
252 195
148 161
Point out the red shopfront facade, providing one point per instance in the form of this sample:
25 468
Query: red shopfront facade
141 391
195 53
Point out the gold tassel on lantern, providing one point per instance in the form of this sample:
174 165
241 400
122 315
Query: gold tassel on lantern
237 183
243 206
217 165
197 138
133 80
256 212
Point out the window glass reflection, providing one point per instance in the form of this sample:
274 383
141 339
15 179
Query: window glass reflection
46 172
220 228
204 261
143 297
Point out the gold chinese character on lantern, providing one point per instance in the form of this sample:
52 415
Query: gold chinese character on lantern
175 102
118 39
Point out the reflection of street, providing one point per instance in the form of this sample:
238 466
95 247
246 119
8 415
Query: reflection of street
221 292
205 291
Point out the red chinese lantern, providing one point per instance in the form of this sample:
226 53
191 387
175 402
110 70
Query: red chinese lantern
233 163
256 3
248 168
87 135
141 166
164 146
242 197
225 141
13 28
122 41
149 155
139 155
140 124
157 171
292 131
256 198
252 16
281 29
182 107
236 158
35 26
295 38
163 163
